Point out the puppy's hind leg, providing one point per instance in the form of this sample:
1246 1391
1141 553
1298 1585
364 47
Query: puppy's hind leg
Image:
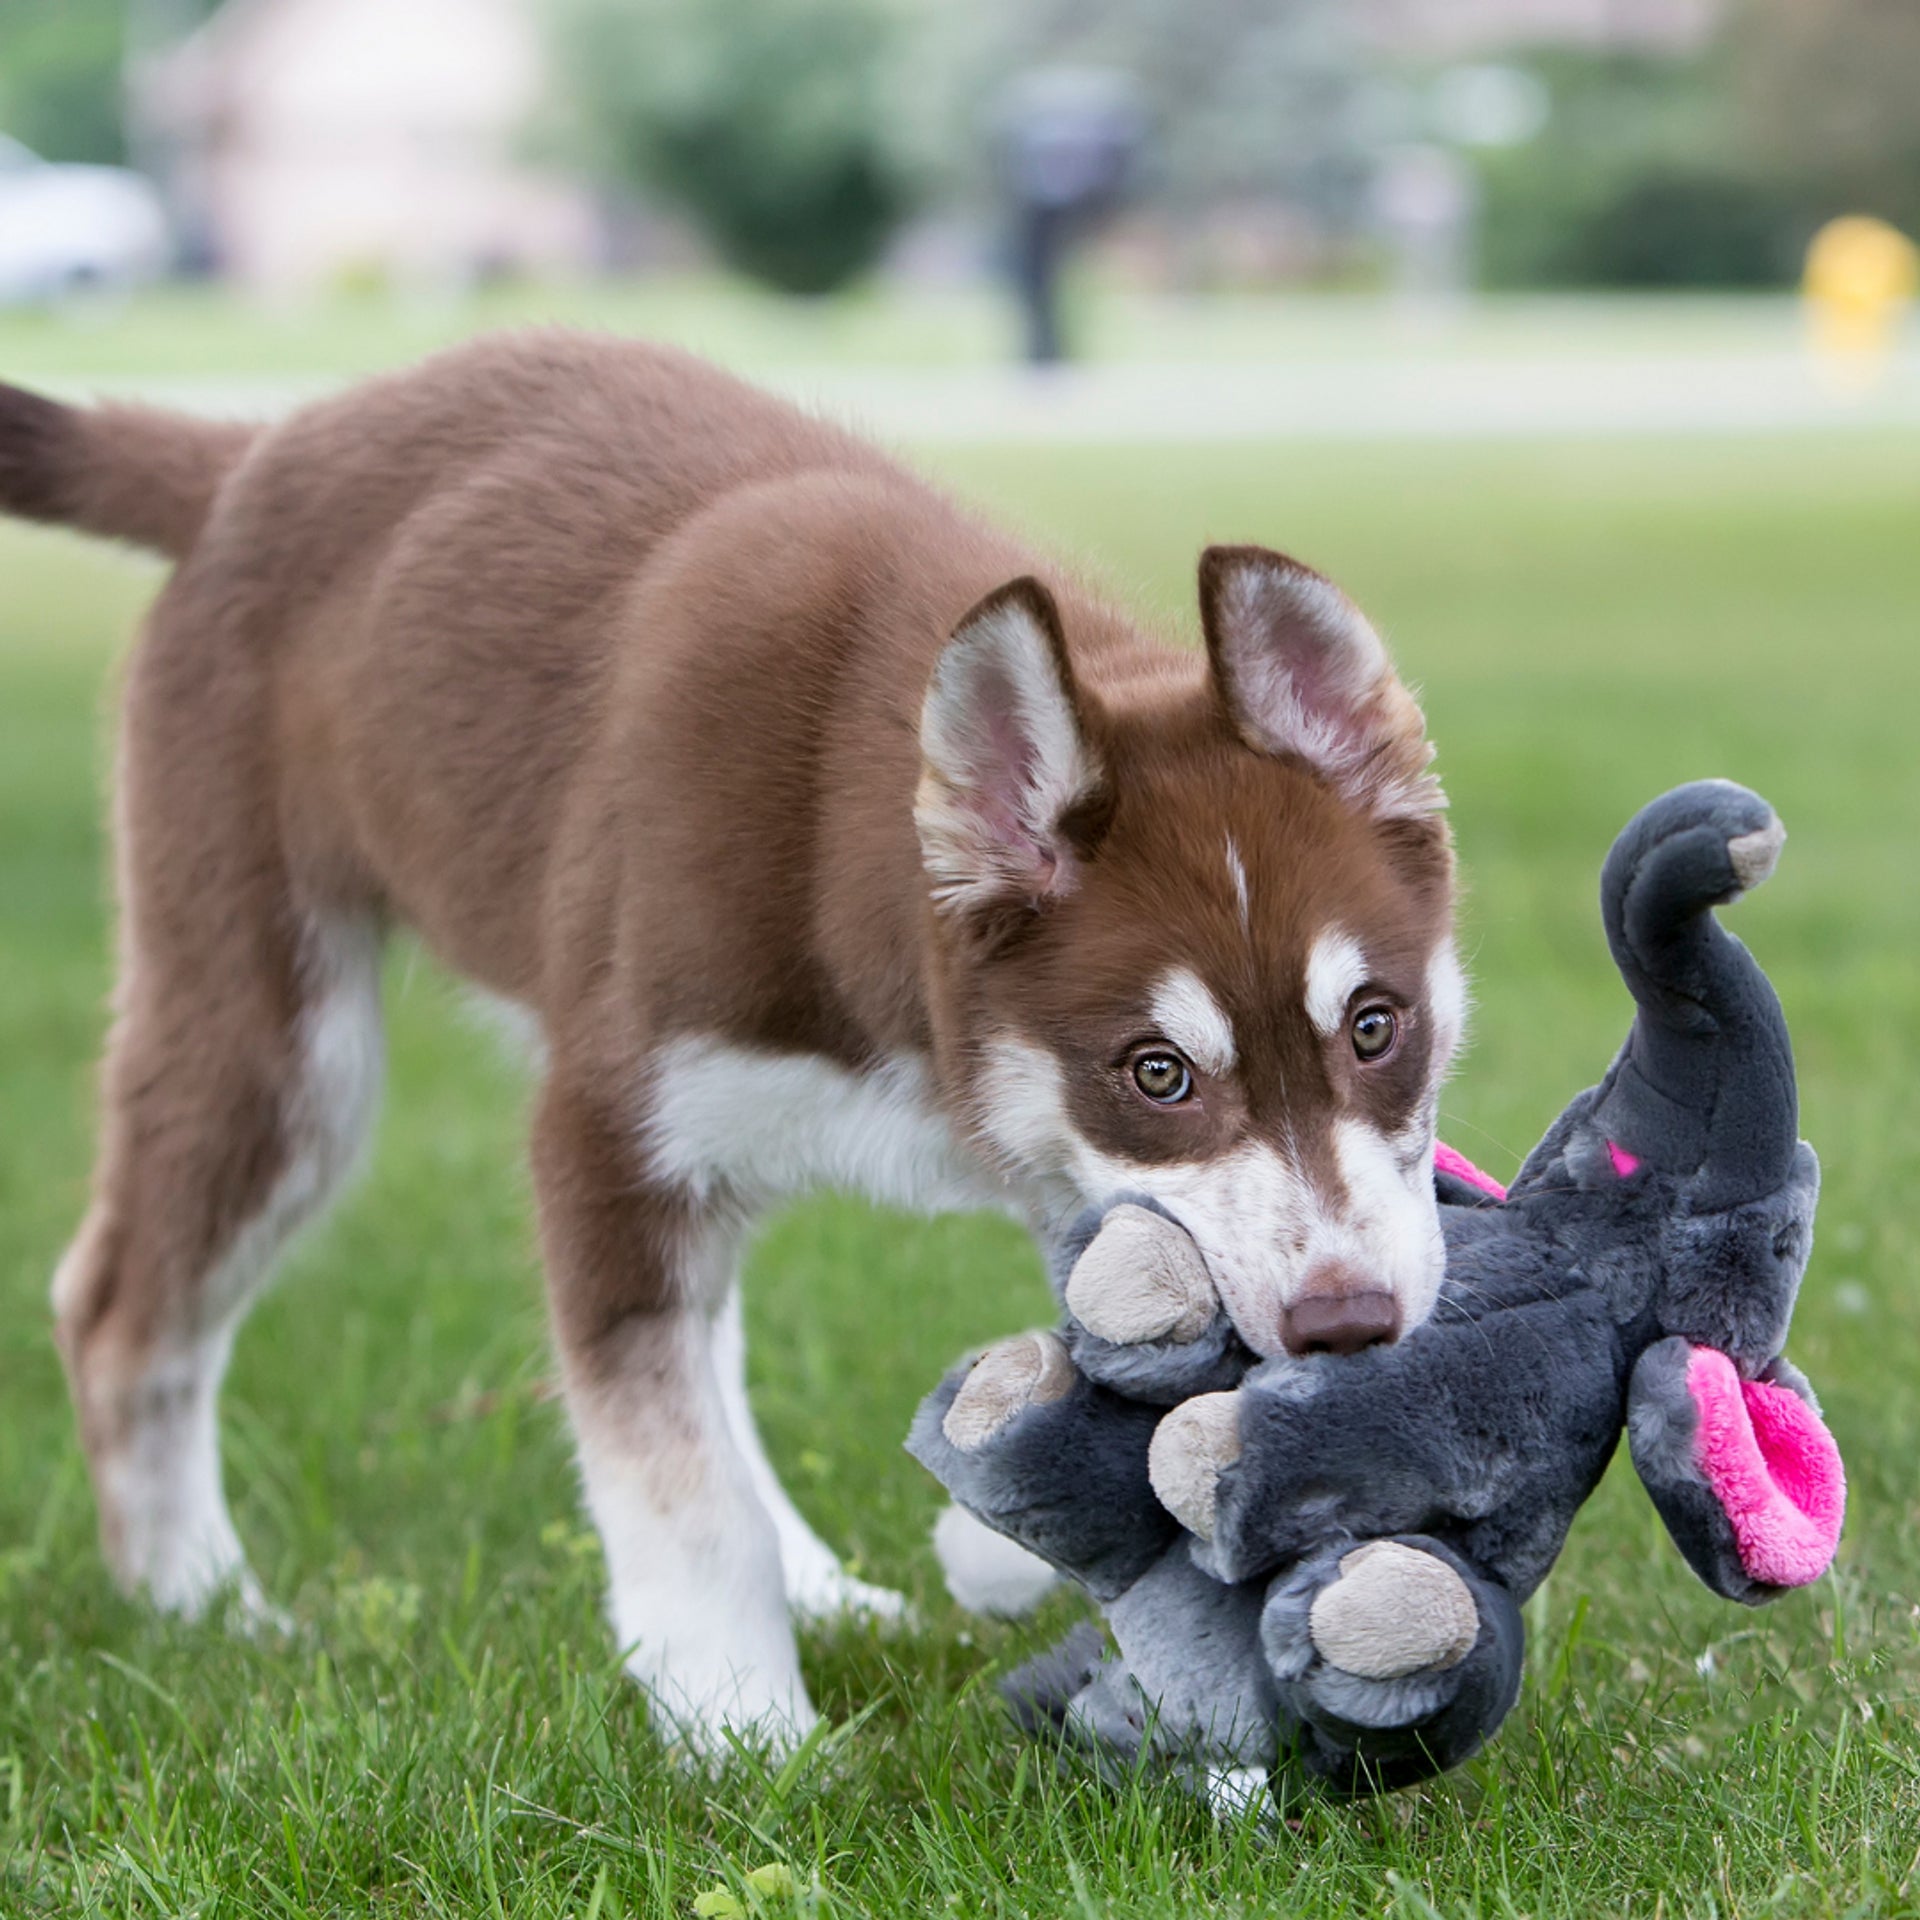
240 1078
637 1275
818 1586
235 1097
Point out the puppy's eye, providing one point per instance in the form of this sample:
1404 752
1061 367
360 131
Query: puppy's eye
1374 1031
1162 1076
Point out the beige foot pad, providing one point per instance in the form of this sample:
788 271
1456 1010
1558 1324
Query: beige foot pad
1142 1279
1755 855
1394 1610
1029 1368
1192 1447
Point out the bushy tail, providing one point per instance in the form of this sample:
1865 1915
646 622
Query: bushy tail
123 472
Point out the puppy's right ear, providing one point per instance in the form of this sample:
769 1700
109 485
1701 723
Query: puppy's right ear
1009 782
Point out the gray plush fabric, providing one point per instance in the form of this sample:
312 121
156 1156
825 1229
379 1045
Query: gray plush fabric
1357 1735
1199 1658
1067 1479
1567 1313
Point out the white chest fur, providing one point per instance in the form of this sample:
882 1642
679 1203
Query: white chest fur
766 1125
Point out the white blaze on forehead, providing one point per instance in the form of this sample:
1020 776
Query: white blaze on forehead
1336 970
1237 873
1189 1016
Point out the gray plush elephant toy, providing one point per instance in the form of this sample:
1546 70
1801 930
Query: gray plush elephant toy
1320 1561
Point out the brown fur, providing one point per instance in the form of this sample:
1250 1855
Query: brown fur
124 472
603 672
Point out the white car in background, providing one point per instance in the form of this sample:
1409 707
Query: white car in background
67 230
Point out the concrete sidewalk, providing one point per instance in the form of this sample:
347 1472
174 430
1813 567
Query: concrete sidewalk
1364 398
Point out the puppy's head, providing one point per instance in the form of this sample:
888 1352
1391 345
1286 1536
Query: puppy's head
1195 938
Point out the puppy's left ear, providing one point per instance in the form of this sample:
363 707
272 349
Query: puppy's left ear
1301 671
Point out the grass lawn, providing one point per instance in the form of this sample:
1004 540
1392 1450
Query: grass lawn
447 1732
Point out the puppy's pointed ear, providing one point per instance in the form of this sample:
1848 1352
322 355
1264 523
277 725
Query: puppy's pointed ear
1010 787
1301 671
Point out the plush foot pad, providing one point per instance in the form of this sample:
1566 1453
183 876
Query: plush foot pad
1142 1279
1394 1611
1192 1447
1773 1467
1029 1369
1755 855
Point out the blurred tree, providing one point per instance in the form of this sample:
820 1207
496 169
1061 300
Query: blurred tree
1246 99
1714 170
761 119
60 78
1637 179
1828 93
1677 226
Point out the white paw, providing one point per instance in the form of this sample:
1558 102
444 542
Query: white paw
830 1592
1235 1792
231 1600
185 1559
985 1571
706 1718
715 1651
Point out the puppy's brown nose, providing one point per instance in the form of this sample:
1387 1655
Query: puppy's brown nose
1340 1322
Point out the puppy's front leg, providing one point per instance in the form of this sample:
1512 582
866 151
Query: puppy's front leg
636 1275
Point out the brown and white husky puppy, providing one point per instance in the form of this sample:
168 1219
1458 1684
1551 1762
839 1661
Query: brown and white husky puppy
827 835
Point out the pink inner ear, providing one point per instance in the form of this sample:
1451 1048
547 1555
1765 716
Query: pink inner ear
1004 795
1773 1466
1448 1159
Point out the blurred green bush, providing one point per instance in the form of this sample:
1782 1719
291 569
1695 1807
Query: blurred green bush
1679 226
1635 181
60 78
762 120
1712 170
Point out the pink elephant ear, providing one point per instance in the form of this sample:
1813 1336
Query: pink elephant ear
1774 1468
1451 1160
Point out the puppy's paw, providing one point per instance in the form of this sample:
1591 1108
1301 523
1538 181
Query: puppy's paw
1031 1369
1142 1280
1192 1447
987 1573
825 1594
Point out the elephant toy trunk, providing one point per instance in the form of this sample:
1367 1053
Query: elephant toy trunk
1704 1088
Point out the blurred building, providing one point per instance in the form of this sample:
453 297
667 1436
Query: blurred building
315 142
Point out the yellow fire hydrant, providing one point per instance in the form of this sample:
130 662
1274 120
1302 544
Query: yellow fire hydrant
1860 279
